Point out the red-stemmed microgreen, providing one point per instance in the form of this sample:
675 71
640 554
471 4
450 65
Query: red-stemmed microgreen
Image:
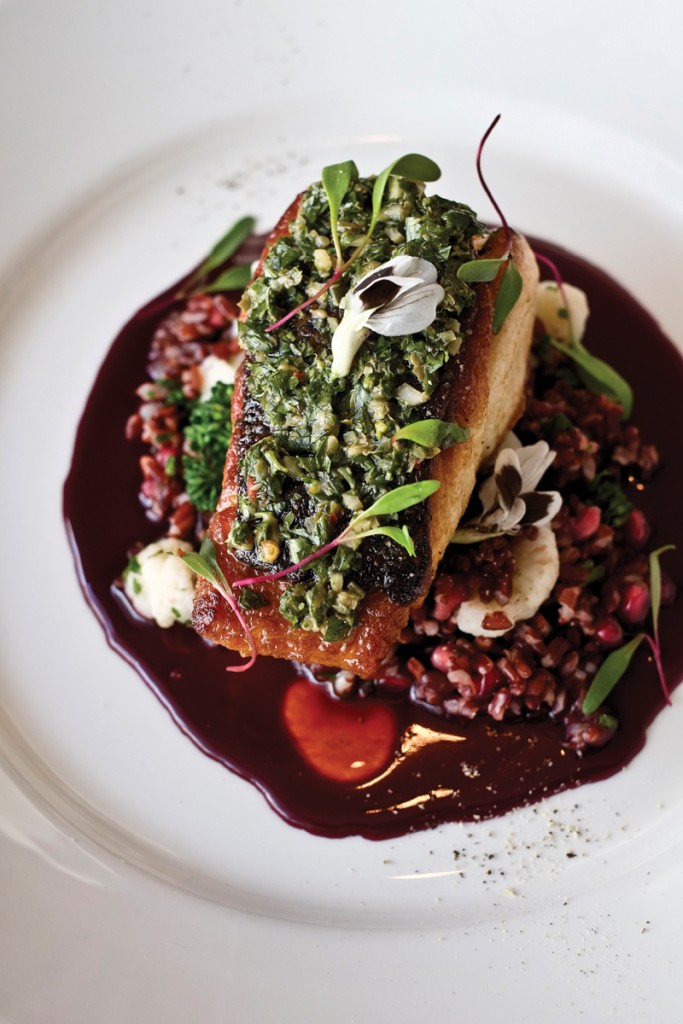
598 376
474 271
394 501
616 663
224 248
432 434
335 177
205 563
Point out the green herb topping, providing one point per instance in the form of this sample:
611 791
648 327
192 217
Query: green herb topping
330 449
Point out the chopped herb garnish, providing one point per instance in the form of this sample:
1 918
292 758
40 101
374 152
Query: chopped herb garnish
133 565
208 435
605 492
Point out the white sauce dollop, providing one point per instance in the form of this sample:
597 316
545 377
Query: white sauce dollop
160 586
566 322
214 370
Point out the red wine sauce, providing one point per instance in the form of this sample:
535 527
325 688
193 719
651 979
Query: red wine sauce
377 766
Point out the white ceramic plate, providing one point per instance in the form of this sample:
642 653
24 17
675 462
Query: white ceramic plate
139 880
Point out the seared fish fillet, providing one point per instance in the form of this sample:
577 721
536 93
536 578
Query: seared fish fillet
482 388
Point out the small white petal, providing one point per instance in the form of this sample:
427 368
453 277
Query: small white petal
505 520
534 459
347 339
410 312
508 471
403 266
364 294
554 506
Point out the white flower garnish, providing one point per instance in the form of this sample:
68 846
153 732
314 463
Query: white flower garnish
509 496
400 297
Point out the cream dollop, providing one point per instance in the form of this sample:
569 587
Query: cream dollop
214 370
159 585
562 313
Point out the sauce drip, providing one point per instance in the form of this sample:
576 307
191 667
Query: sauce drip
379 766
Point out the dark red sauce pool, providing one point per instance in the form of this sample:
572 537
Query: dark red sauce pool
389 767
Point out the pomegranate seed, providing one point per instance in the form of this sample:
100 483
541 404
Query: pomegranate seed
609 633
395 683
449 594
587 522
482 664
635 603
637 529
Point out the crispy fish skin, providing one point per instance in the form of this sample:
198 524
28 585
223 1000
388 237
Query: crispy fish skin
483 390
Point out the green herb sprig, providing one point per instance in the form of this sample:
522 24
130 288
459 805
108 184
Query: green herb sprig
617 662
205 563
476 271
597 375
235 277
336 179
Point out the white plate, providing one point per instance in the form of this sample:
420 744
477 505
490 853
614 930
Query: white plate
139 879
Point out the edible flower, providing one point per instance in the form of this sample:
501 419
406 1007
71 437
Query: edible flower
398 298
509 496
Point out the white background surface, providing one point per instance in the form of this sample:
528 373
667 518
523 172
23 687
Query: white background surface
138 880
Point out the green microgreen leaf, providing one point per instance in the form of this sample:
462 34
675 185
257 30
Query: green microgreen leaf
509 290
205 563
413 165
598 376
231 280
480 270
336 179
469 535
608 675
400 498
399 534
656 585
433 433
227 246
